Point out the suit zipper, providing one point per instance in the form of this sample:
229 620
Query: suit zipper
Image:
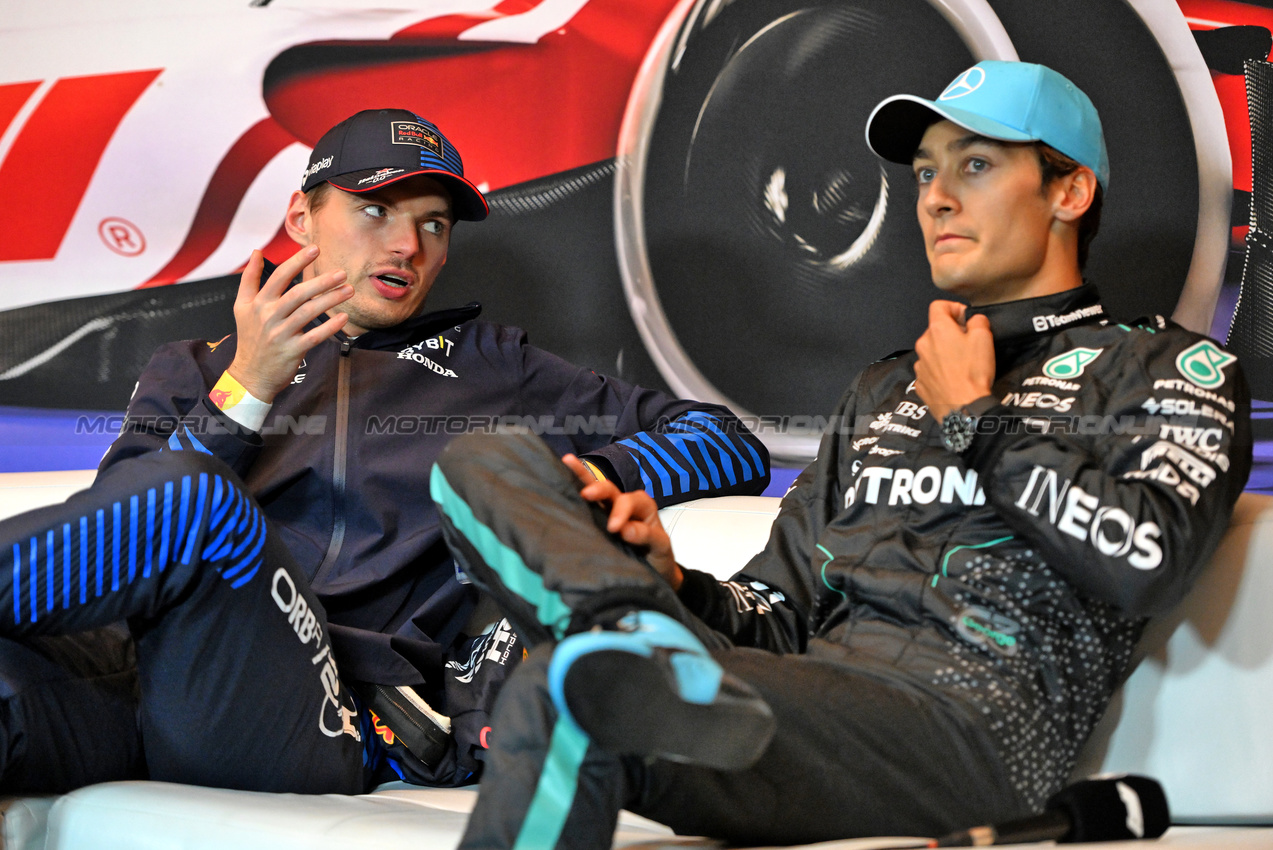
339 455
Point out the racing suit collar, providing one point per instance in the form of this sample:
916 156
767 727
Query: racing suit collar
1016 322
414 329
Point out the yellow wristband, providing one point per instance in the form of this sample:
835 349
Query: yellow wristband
596 473
228 392
236 402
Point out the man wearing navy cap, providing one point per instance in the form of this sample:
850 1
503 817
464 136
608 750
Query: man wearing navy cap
264 525
951 591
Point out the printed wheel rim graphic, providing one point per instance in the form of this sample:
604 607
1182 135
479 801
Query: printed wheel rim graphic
983 35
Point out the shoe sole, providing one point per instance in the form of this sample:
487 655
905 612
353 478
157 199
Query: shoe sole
630 704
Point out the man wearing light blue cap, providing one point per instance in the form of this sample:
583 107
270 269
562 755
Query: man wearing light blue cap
951 591
1007 101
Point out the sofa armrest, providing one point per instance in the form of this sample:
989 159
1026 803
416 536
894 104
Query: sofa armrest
1193 713
719 536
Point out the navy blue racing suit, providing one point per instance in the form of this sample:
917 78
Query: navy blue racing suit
339 471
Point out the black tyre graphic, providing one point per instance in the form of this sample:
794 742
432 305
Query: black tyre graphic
768 256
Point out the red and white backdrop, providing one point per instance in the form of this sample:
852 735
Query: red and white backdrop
681 194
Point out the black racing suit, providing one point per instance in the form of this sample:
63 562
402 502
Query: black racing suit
339 470
948 628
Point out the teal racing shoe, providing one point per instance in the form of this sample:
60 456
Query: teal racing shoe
650 688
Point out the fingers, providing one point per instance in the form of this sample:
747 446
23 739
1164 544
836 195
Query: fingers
324 331
309 290
581 472
252 292
281 312
942 312
600 490
626 509
296 311
924 345
643 530
635 507
982 339
594 489
978 324
287 271
643 535
250 280
634 517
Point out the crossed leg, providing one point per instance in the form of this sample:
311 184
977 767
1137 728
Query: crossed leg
236 682
855 752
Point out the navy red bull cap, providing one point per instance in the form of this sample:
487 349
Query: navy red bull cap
376 147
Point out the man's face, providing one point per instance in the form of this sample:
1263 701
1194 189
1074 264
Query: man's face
391 243
985 217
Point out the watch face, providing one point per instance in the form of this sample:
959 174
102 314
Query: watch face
957 430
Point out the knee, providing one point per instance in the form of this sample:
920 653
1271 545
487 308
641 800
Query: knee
158 467
478 456
500 447
167 479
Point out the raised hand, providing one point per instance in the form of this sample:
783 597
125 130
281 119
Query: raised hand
271 319
956 363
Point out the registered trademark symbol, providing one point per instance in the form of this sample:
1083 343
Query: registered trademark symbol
122 236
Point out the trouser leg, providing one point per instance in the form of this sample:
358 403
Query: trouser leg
238 685
68 711
546 785
853 755
512 515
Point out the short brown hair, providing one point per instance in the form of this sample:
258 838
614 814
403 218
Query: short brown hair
317 196
1056 165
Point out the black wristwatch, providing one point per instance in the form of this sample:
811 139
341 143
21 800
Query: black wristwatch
957 430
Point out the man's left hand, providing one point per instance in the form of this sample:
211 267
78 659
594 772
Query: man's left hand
956 364
634 517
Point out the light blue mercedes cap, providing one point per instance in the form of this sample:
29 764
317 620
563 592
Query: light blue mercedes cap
1009 101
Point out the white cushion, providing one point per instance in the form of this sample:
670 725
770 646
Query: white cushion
1194 714
24 491
145 815
719 536
25 822
162 816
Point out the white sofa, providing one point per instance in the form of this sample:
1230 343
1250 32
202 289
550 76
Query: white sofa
1193 715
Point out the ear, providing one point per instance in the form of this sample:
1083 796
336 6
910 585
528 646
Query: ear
297 220
1073 194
